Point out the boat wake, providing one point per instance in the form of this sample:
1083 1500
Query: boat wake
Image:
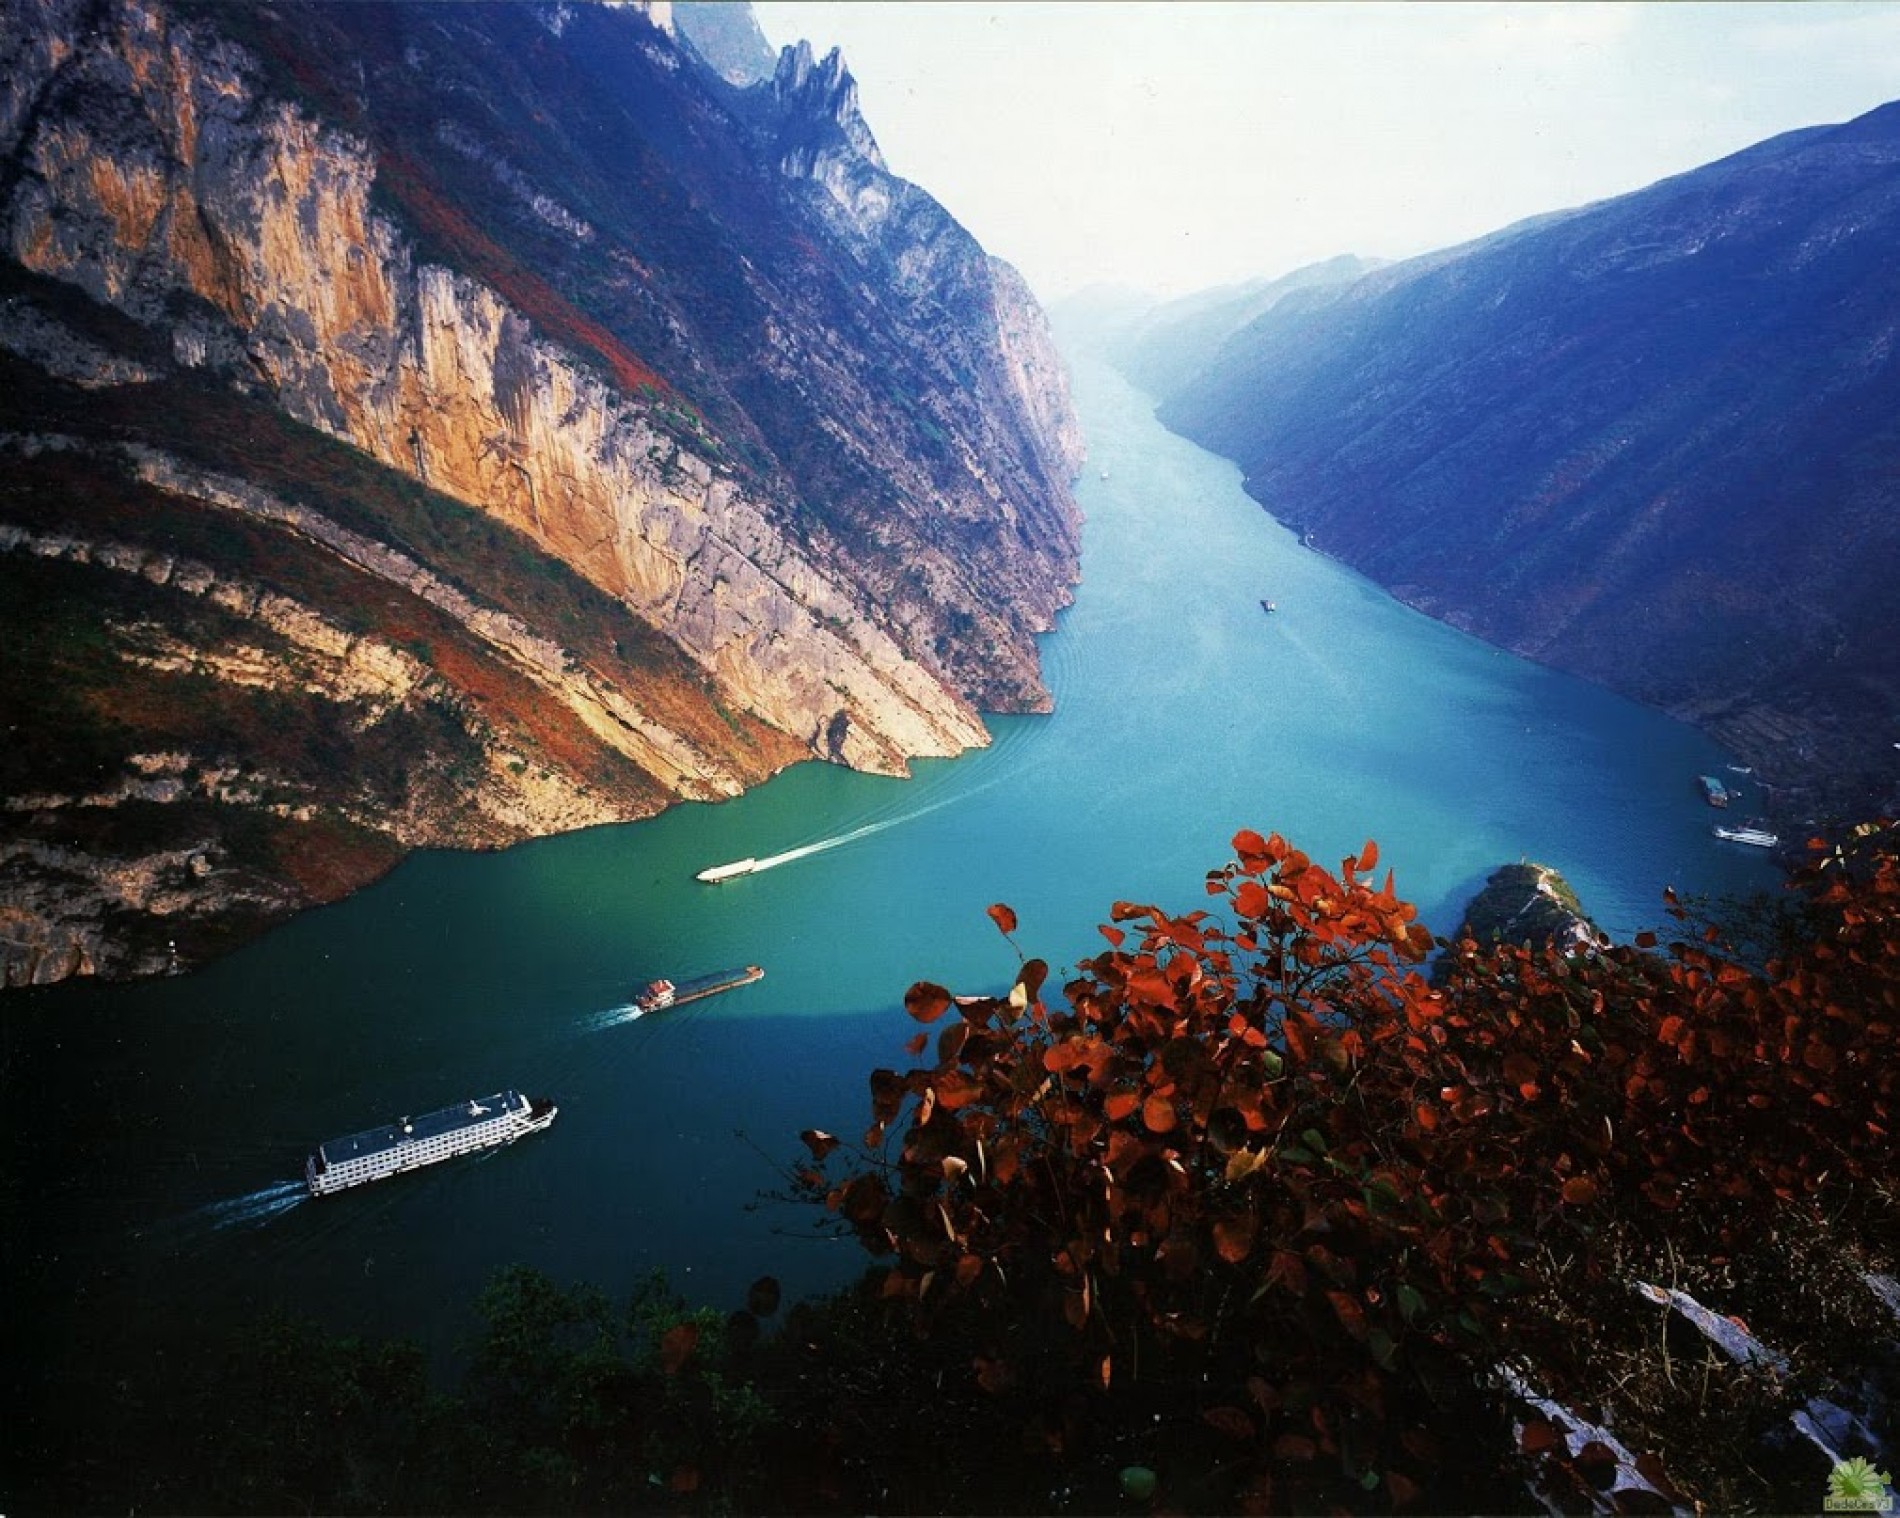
824 845
613 1017
252 1210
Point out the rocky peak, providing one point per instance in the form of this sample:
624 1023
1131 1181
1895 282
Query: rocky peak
661 468
819 117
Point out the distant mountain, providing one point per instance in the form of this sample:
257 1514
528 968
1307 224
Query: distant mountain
440 424
1654 441
1178 339
727 36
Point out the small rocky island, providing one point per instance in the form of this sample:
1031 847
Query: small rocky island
1529 904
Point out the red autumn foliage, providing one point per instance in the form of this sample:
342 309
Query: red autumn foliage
1264 1145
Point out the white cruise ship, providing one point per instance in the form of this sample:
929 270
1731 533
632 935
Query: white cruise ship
412 1142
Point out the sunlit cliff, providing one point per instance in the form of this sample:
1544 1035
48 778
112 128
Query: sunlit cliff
499 374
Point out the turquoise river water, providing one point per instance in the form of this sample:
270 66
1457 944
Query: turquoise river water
154 1136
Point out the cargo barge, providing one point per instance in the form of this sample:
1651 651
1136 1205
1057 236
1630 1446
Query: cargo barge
660 994
410 1143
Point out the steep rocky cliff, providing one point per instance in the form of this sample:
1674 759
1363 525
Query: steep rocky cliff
498 372
1653 441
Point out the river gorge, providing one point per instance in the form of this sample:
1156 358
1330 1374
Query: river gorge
156 1133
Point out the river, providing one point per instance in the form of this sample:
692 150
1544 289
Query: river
154 1135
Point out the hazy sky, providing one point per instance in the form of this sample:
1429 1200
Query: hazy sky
1179 145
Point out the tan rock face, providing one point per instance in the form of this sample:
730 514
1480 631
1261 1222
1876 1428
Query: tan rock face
832 528
266 215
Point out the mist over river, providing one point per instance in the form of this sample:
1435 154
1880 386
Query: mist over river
154 1135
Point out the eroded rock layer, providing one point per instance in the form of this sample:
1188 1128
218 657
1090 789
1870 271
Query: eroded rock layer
499 369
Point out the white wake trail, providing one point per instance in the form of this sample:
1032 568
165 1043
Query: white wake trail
805 851
252 1210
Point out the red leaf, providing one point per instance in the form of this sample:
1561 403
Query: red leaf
993 1375
1369 858
1233 1237
761 1300
1352 1316
1598 1464
1115 936
1539 1435
1251 848
1231 1421
926 1002
676 1346
1004 918
1158 1113
819 1142
1288 1270
1650 1467
1580 1191
1404 1490
1034 973
950 1042
1251 900
957 1090
685 1479
1294 1447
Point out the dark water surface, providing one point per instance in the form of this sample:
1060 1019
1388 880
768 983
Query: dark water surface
153 1135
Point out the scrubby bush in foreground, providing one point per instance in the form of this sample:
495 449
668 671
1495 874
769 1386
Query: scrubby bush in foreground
1255 1204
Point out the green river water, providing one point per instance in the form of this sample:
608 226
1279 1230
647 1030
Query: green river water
155 1135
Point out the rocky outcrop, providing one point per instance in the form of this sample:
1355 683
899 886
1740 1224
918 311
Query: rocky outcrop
1529 904
62 909
767 400
1651 441
727 37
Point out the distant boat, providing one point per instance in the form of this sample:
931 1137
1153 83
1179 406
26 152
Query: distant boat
1761 838
721 872
660 994
1104 474
1717 793
1268 606
1741 769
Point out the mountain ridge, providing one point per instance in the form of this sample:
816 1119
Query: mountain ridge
1649 441
535 263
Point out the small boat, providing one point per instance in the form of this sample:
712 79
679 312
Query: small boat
1716 793
721 872
1104 474
1761 838
658 995
1268 606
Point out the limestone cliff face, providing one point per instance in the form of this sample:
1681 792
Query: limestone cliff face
693 344
194 185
